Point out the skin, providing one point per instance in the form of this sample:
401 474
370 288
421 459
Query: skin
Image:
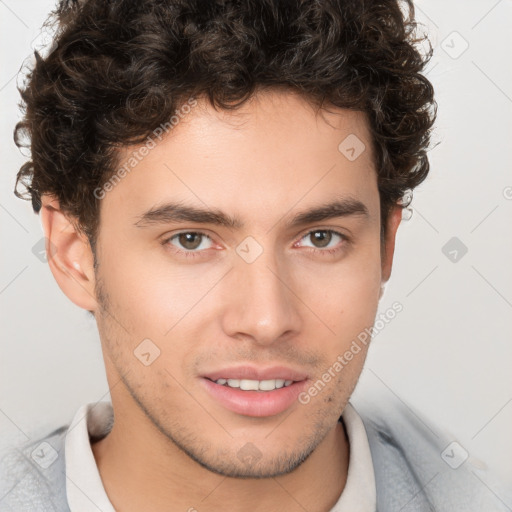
173 447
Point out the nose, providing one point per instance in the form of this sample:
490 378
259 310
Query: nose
262 303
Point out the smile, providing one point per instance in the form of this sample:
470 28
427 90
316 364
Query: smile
254 385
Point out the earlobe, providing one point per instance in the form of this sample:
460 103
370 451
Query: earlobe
69 255
394 219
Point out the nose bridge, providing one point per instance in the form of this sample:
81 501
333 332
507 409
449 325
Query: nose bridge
262 304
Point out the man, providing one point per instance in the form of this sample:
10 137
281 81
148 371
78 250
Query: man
221 184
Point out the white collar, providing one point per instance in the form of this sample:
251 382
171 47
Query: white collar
84 488
85 491
359 494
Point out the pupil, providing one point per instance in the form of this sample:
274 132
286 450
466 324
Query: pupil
187 240
322 236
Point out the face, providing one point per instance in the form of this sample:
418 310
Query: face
253 291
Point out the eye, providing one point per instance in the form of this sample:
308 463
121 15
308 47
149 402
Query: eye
326 240
191 241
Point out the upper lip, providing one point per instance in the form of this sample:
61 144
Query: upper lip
253 373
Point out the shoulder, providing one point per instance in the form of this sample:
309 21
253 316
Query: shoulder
33 475
418 466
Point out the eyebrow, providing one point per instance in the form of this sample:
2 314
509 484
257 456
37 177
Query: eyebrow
178 212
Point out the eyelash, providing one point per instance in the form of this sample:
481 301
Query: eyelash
195 254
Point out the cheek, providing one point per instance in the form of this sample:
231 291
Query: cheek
150 292
348 304
360 297
345 294
171 305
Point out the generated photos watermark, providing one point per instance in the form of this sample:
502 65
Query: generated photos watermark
363 338
143 150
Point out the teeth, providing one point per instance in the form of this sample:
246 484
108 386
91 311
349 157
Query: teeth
267 385
254 385
249 385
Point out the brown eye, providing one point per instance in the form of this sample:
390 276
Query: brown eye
190 241
321 238
325 241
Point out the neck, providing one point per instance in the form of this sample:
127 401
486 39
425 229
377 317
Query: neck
149 472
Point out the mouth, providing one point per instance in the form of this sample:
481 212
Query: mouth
255 392
254 385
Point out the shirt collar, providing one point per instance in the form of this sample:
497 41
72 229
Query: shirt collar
84 488
359 494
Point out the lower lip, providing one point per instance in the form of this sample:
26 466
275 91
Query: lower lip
255 403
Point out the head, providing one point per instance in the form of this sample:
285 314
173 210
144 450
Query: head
296 129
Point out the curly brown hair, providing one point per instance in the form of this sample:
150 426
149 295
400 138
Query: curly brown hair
121 68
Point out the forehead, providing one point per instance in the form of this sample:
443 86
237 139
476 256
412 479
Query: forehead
273 155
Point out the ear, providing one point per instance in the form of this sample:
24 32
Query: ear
69 255
394 219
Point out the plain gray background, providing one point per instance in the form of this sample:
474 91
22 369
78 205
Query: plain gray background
448 353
